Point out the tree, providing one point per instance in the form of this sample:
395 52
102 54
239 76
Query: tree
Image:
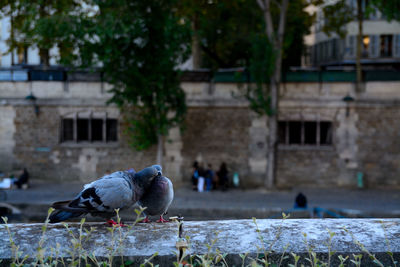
275 37
139 45
221 29
40 23
389 8
336 16
237 34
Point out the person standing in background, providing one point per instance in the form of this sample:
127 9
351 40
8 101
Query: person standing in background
195 175
209 178
223 176
200 181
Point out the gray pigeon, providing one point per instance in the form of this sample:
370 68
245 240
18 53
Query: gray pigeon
118 190
157 198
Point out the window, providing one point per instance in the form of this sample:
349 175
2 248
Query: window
68 130
396 52
365 46
386 45
351 45
374 48
89 129
83 130
314 133
22 55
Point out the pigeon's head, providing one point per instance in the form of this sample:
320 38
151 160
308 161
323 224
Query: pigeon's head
158 168
147 175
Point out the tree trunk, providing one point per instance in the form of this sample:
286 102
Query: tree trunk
12 35
43 52
272 141
196 49
273 121
359 46
159 149
276 39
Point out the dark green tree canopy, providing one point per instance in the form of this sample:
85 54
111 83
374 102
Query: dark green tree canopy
43 24
227 30
139 45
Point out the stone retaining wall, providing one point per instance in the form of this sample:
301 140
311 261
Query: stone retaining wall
304 237
219 128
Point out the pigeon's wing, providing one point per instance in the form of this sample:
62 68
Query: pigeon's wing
111 192
170 194
101 197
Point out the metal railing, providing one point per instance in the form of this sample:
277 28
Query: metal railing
223 76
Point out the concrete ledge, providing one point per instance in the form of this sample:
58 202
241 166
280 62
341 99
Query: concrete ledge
299 236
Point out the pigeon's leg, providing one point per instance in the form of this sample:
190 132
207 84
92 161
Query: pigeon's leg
145 220
111 222
162 220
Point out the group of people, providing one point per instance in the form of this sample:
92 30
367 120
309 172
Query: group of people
206 179
21 182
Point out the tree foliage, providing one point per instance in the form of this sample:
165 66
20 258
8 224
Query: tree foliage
298 24
389 8
41 23
139 45
227 28
224 27
258 74
338 14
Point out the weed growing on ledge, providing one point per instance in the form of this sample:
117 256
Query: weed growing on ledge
78 254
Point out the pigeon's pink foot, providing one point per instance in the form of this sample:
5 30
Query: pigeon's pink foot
114 223
145 220
162 220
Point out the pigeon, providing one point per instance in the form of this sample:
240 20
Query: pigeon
157 198
118 190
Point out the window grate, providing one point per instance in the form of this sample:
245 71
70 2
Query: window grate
89 130
305 133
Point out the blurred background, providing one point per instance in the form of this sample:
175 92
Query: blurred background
245 103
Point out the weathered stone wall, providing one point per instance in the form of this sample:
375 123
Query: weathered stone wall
7 130
313 166
38 148
219 128
215 135
379 145
276 238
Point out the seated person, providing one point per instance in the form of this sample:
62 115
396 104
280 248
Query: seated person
23 179
300 201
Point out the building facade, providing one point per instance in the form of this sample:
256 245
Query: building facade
58 125
380 43
63 131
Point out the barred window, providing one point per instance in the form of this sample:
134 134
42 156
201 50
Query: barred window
89 128
312 133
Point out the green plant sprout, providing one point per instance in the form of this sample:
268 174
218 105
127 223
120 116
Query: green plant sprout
79 256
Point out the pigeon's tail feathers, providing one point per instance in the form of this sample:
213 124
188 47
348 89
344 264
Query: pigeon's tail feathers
64 212
63 215
60 204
